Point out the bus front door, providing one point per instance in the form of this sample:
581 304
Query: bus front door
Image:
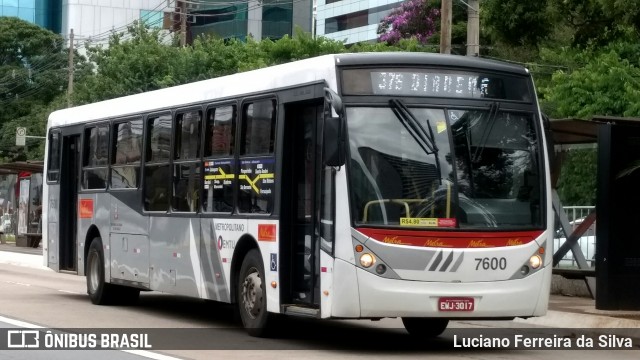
300 205
70 171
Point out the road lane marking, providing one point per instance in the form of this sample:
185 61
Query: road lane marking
19 323
69 292
17 283
151 355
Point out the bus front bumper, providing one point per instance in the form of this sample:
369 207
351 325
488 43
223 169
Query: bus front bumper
382 297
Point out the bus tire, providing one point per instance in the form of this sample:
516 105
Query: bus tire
425 327
252 295
99 291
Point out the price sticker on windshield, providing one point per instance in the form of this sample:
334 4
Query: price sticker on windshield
433 222
428 222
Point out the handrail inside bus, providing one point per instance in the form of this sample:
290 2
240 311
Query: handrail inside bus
406 203
383 201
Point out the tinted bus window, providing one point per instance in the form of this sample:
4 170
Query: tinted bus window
53 171
258 128
95 158
220 131
186 173
257 166
157 171
219 167
187 139
127 150
159 142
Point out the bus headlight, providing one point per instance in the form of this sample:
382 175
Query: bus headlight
367 260
535 261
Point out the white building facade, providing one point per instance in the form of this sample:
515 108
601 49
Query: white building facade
96 19
352 20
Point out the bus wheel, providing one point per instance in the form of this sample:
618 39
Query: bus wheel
252 296
425 327
100 292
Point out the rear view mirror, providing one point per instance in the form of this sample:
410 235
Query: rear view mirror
332 147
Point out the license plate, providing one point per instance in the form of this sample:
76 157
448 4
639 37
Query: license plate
456 304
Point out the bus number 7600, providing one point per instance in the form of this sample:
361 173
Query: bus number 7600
491 263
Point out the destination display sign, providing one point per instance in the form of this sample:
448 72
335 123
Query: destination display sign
431 83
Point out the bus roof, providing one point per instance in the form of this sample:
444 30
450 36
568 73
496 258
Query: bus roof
429 59
255 81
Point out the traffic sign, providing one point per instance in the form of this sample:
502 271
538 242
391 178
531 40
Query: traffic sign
21 135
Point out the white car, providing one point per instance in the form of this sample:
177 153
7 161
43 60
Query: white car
5 224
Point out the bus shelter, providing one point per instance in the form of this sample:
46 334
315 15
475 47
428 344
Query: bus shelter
27 212
618 195
568 134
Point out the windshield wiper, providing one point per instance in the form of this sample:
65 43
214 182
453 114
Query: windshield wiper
425 140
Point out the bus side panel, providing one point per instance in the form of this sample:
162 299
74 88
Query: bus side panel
174 254
267 235
346 297
326 283
93 209
219 240
128 238
343 244
545 289
51 232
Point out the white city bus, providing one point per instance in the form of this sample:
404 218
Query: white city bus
355 186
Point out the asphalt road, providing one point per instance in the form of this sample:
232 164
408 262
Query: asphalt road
51 300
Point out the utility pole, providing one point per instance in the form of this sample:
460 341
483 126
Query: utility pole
70 86
473 28
183 23
445 27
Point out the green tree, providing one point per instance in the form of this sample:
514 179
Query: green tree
33 72
595 80
605 81
516 22
577 182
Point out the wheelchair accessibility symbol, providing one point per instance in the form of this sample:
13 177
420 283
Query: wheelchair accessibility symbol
274 262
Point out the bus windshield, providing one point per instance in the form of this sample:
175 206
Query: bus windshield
484 172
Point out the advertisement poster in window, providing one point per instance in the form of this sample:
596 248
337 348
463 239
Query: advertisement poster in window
23 206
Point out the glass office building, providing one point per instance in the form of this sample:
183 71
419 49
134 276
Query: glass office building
44 13
263 19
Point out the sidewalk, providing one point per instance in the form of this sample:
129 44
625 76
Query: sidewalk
564 311
581 312
22 256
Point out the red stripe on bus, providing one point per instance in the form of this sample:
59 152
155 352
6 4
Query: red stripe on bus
449 239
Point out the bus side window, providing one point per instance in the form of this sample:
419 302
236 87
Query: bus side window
257 164
219 167
186 168
127 149
53 170
157 174
96 151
